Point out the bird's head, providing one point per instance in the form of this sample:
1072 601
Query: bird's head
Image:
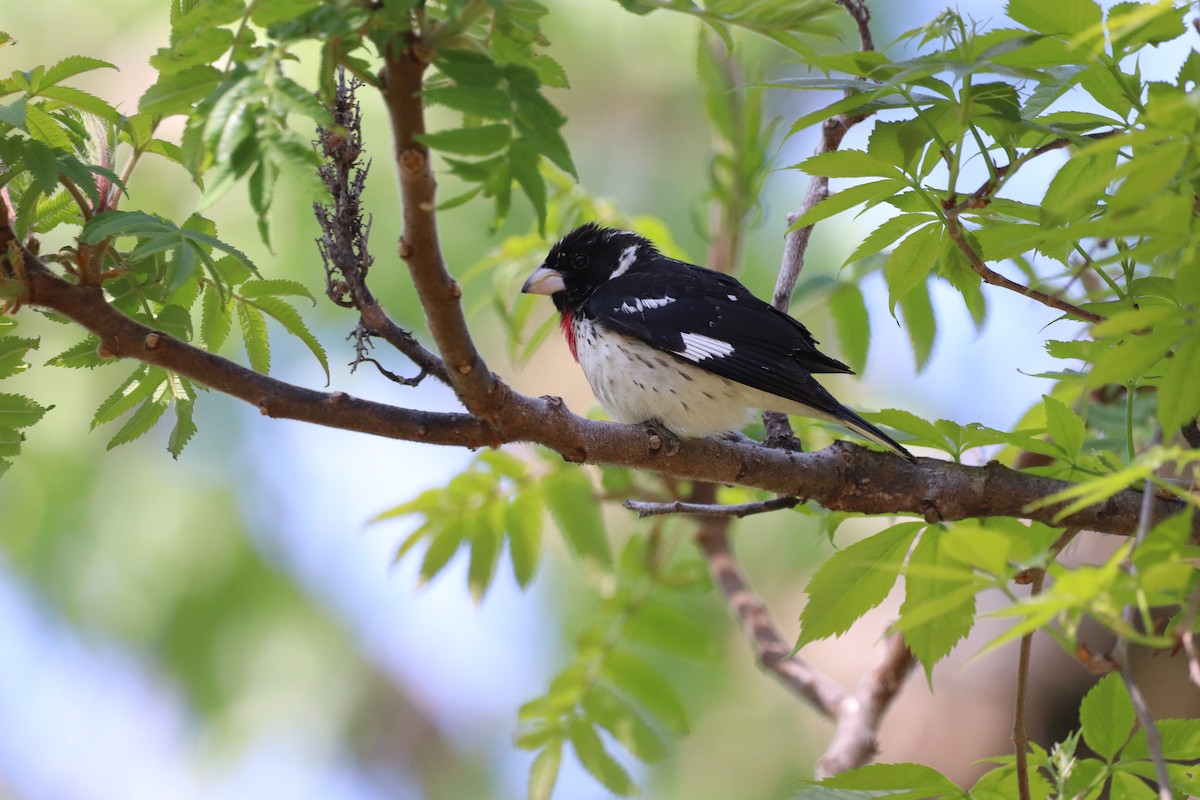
583 260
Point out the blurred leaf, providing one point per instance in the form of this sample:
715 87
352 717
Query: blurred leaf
523 520
139 424
624 723
654 693
544 772
852 323
597 760
572 502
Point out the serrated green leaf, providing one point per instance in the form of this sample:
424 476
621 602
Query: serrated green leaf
138 387
1065 427
910 263
853 324
216 319
848 198
649 689
184 428
442 547
853 581
290 319
253 325
179 92
69 67
523 521
666 628
625 724
1063 18
485 103
13 350
849 164
939 600
1180 741
82 355
1178 398
887 233
1106 716
139 424
82 101
920 322
544 772
481 140
45 128
918 779
572 502
589 748
1128 360
274 287
18 411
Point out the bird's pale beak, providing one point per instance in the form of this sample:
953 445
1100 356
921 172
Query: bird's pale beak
544 280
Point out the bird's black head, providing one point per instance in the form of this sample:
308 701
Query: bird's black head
583 260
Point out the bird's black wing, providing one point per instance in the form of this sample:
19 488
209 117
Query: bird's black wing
711 320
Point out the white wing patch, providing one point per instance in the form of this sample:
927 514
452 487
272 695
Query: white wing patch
628 256
697 347
642 304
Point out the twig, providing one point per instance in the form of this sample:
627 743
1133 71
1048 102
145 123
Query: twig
816 688
1020 737
1120 657
647 509
1188 637
990 276
344 234
855 737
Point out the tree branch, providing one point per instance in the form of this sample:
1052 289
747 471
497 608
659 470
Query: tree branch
860 714
439 293
843 477
737 511
817 689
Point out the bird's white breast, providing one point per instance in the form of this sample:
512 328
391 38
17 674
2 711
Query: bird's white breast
635 383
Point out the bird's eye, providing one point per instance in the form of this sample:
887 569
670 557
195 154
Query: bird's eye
580 260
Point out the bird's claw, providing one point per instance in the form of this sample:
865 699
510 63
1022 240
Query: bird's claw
785 441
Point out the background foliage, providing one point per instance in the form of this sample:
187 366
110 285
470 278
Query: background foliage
224 589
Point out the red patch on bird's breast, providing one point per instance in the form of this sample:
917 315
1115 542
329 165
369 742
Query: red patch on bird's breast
568 330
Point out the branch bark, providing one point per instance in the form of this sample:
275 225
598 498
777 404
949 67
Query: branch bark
844 477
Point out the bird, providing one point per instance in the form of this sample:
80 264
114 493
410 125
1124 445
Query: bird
692 350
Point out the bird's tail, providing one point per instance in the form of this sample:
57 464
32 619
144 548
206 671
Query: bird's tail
865 429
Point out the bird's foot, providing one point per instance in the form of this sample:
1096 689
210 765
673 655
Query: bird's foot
784 441
661 437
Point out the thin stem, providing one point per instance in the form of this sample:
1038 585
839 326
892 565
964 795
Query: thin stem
1020 730
645 509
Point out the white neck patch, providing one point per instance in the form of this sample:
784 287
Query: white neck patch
628 256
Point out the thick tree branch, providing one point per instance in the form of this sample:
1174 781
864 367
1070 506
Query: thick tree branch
844 477
855 738
439 293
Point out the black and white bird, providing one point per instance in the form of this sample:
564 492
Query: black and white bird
692 349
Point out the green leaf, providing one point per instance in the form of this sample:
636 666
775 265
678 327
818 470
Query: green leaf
910 263
853 324
12 354
919 780
69 67
184 428
853 581
572 502
216 319
848 164
78 355
1065 18
254 335
544 772
847 198
939 601
620 719
920 322
485 549
478 141
18 411
1065 428
1150 172
141 384
649 689
179 92
1178 399
274 287
523 521
45 128
666 628
441 549
290 319
1107 717
139 424
81 100
597 761
887 233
